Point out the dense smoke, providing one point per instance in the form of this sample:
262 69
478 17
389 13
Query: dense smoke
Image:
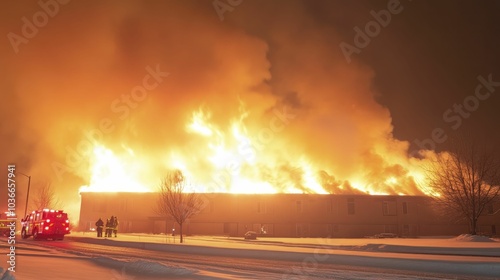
75 83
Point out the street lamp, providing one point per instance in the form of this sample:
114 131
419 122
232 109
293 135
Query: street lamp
27 194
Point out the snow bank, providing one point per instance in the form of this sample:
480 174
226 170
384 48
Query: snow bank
142 267
473 238
6 275
427 250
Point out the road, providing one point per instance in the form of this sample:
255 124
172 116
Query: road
98 261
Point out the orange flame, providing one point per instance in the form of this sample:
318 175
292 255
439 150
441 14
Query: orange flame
111 173
227 160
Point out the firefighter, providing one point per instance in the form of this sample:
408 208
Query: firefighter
108 228
111 226
99 225
115 226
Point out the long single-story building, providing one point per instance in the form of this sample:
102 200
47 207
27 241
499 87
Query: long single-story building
285 215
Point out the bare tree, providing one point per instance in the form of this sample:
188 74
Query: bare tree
175 202
45 197
466 181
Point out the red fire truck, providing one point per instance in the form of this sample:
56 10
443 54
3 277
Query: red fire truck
4 229
49 224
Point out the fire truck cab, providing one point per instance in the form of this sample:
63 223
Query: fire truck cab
4 229
53 224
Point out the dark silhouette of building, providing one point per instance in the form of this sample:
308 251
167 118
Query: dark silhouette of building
286 215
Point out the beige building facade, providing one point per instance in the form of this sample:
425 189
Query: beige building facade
285 215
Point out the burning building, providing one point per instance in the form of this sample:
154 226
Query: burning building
254 176
284 215
263 104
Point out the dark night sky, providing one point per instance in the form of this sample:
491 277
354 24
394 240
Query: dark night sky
264 54
429 60
426 60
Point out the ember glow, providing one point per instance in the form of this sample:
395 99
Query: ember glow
231 159
111 173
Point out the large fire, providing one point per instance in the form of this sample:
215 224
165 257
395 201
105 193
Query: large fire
112 173
231 160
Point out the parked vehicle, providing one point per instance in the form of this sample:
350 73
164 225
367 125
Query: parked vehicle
250 235
4 229
386 235
48 224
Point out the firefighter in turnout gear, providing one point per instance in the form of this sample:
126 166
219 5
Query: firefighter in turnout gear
108 228
99 225
114 224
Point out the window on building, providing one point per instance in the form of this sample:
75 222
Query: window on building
350 206
385 208
332 229
263 229
405 208
298 206
391 229
302 230
389 208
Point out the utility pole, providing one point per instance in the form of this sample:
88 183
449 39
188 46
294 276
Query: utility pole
27 193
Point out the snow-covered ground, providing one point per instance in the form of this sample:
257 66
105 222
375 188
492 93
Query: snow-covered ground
465 257
34 262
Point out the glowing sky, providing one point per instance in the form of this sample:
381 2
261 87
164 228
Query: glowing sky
131 75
